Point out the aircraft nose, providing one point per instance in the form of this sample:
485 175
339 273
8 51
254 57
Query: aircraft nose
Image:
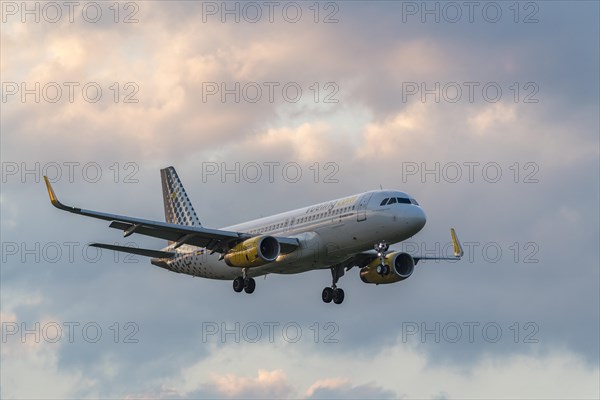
417 218
421 218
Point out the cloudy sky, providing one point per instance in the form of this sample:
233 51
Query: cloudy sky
486 112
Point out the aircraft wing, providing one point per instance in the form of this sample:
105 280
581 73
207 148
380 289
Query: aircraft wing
365 257
215 240
458 251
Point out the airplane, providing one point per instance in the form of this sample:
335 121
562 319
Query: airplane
352 231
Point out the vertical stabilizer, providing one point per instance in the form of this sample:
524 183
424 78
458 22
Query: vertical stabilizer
178 207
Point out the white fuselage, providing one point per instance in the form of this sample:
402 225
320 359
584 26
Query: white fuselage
329 233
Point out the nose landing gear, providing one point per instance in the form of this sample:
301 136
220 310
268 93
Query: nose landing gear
381 248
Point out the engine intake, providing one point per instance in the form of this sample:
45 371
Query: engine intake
253 252
401 266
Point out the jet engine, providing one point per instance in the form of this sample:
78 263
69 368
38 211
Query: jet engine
397 267
253 252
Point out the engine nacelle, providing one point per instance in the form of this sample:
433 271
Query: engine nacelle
401 266
253 252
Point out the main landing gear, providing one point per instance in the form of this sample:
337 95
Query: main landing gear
334 293
244 283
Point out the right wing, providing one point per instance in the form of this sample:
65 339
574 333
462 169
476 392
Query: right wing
215 240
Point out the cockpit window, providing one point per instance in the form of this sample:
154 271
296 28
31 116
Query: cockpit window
399 200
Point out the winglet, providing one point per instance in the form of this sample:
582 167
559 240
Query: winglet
458 251
53 198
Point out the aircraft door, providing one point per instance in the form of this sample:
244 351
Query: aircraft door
361 211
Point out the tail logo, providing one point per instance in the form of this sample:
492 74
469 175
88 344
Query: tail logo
178 207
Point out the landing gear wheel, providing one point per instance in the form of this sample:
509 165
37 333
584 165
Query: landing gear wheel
238 284
327 295
338 296
249 285
383 269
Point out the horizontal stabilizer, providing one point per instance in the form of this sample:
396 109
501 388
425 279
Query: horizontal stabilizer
135 250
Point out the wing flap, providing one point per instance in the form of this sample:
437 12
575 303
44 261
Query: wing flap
180 234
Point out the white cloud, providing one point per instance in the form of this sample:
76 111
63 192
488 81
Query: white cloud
493 114
399 370
169 54
30 363
267 384
328 383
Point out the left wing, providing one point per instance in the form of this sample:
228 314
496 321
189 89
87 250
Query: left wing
215 240
365 257
458 251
